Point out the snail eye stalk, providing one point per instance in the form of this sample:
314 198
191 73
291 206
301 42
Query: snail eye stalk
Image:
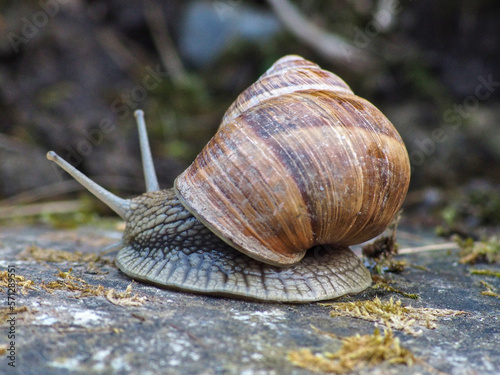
147 159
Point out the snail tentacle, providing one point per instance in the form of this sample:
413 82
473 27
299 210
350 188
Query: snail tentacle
119 205
147 160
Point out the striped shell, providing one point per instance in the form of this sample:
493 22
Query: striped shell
298 160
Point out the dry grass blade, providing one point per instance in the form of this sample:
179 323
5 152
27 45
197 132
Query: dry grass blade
435 247
170 58
34 209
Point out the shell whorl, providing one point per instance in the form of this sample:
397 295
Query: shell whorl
289 74
298 161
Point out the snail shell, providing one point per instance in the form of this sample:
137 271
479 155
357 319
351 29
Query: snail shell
299 163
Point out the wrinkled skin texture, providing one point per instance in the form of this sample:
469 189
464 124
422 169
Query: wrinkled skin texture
165 245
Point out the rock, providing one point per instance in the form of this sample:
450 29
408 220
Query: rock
160 331
208 28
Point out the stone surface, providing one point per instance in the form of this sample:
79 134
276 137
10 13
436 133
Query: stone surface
180 333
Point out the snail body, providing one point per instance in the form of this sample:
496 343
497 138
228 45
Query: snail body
300 169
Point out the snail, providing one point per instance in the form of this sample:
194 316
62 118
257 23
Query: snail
299 169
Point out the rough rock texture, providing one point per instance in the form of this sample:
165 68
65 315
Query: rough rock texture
173 333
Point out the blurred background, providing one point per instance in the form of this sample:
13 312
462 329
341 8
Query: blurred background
73 71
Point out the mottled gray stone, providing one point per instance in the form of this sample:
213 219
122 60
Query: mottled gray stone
181 333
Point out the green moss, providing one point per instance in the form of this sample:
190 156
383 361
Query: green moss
490 290
485 272
68 282
67 214
393 314
69 220
472 252
381 252
425 84
467 211
486 204
58 256
356 352
21 282
381 283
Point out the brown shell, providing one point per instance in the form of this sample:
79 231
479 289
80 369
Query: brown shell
298 161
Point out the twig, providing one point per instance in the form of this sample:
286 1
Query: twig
117 50
439 246
40 208
131 57
329 45
69 186
11 144
164 45
42 192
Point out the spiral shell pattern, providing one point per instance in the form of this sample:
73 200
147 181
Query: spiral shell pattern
298 161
